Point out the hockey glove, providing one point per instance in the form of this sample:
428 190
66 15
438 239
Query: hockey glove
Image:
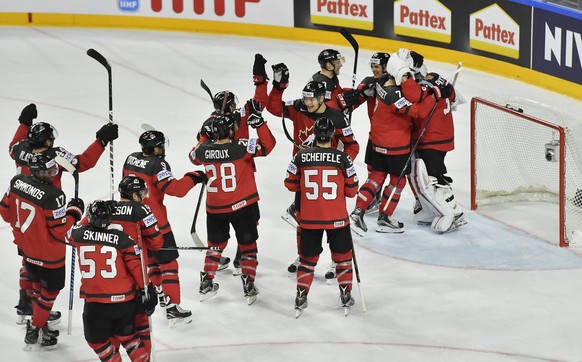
280 76
28 114
417 60
441 88
397 68
75 208
148 301
197 176
368 87
255 118
259 73
348 99
108 133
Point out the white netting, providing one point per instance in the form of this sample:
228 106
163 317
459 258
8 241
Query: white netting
513 160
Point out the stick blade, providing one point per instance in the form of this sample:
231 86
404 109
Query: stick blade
197 241
98 57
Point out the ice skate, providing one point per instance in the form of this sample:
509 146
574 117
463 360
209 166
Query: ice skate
35 338
300 302
330 274
386 224
237 270
175 314
347 300
358 225
163 299
292 268
375 205
250 290
422 216
223 263
290 216
31 337
208 289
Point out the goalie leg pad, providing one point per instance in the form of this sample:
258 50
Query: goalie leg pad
424 186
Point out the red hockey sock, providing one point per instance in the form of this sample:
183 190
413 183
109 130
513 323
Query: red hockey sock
343 269
305 272
395 198
171 281
249 259
106 351
212 258
369 189
134 348
42 306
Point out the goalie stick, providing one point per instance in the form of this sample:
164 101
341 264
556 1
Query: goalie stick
101 59
413 149
64 163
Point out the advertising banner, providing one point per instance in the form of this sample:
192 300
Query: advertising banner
239 11
494 29
557 45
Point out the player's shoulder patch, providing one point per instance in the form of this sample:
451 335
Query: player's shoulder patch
289 103
292 168
402 102
149 220
351 171
163 175
243 111
59 213
347 131
252 146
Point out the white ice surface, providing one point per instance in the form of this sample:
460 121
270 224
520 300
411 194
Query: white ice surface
488 292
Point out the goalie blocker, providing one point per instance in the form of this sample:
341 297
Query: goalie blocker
439 208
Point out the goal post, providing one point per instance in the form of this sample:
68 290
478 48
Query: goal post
522 150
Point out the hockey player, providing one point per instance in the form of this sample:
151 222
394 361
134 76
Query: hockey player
112 285
303 113
232 197
228 107
436 205
391 139
36 210
150 165
133 216
39 138
324 177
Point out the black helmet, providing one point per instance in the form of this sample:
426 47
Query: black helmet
130 185
150 139
220 106
39 132
323 129
380 58
45 165
99 214
328 56
221 126
314 89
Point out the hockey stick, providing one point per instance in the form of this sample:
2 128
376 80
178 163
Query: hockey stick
350 38
147 127
101 59
413 149
205 87
193 233
64 163
287 134
145 286
357 270
191 248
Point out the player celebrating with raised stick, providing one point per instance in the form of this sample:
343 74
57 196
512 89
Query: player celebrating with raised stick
232 196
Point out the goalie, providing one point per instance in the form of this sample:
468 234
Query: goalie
436 205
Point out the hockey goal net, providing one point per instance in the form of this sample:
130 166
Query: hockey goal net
522 150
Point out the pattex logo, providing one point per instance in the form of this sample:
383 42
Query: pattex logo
424 19
199 6
494 31
357 14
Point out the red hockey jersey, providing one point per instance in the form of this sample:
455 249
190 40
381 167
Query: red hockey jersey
37 213
109 262
324 177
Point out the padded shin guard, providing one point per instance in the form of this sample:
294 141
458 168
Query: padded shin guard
305 272
106 351
249 259
171 281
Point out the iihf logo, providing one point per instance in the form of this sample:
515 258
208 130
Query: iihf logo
128 5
